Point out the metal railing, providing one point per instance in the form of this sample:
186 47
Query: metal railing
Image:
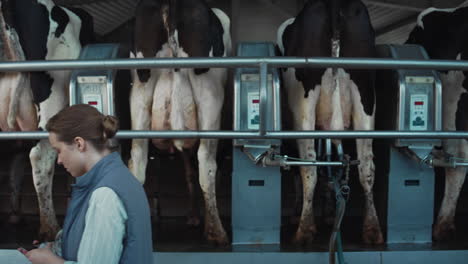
234 62
176 134
250 62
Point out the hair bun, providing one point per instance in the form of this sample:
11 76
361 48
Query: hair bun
111 125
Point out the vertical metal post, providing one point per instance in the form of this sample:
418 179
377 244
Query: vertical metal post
328 154
263 97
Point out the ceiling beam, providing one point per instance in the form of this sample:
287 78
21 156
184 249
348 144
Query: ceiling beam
415 5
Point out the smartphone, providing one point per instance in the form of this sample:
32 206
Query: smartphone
23 248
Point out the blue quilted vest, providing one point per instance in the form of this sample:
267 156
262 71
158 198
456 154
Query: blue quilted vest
110 172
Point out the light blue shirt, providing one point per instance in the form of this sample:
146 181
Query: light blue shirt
104 230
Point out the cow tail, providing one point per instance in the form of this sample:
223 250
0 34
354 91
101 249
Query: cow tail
183 108
169 16
173 7
335 6
177 116
165 16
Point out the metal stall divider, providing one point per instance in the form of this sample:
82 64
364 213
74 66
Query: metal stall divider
413 103
256 190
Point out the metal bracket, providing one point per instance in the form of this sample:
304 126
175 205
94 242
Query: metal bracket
448 162
275 159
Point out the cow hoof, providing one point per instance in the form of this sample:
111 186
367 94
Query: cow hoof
443 232
217 240
302 238
372 235
193 221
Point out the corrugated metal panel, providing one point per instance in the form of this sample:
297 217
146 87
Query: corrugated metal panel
108 15
398 36
383 17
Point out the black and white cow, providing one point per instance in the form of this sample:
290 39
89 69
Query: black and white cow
181 99
45 32
444 35
14 93
331 99
17 111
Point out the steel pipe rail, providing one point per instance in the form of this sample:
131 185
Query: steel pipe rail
233 62
127 134
366 134
445 163
263 98
315 163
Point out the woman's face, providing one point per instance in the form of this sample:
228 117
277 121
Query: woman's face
69 156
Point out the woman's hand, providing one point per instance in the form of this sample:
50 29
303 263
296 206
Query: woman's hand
42 255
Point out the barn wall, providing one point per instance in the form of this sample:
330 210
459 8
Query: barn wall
258 20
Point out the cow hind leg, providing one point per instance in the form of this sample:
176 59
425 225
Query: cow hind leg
444 228
193 218
42 161
371 227
209 96
140 107
307 229
304 110
363 120
214 230
139 159
141 100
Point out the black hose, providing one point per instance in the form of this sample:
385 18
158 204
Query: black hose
340 210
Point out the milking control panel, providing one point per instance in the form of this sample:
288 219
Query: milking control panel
247 94
95 87
413 96
250 86
420 100
91 88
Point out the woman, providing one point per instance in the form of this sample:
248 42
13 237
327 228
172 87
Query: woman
108 219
